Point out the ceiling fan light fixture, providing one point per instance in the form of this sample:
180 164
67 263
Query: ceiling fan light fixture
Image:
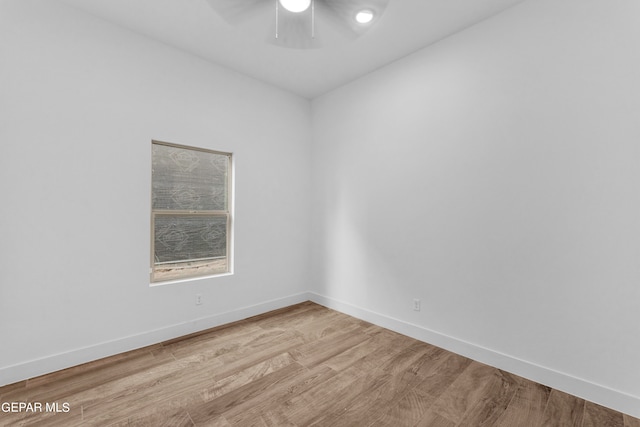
364 16
295 6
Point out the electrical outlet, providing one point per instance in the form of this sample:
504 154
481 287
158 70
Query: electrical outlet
416 304
198 299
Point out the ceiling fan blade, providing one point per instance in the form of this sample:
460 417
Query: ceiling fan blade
238 11
344 12
294 30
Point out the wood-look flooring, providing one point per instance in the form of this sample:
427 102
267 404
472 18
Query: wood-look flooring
304 365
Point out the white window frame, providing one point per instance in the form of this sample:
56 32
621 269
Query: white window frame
228 214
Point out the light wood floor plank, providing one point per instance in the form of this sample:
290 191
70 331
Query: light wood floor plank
332 396
563 410
302 316
303 365
596 415
630 421
441 375
211 409
497 396
526 409
246 412
431 419
407 411
248 375
464 392
305 311
178 419
323 327
346 397
318 351
12 389
381 346
375 401
41 419
84 377
363 410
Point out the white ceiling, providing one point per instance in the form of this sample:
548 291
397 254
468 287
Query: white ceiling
193 26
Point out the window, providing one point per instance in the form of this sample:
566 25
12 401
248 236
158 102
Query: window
190 212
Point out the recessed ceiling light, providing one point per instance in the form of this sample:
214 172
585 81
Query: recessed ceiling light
296 6
364 16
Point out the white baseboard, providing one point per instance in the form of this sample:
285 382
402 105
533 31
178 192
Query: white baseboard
596 393
56 362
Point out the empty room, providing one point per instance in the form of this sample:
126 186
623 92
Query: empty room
320 212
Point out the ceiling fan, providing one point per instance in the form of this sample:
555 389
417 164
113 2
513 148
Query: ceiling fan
301 24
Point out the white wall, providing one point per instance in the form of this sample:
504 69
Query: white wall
80 102
495 177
